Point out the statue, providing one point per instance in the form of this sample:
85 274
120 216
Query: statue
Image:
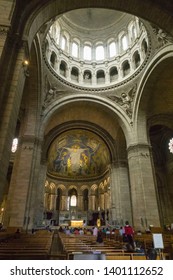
51 93
125 101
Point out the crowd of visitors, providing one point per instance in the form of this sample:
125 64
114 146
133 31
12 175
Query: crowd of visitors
124 233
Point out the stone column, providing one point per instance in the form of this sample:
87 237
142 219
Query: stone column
9 112
35 207
106 201
4 29
19 190
46 201
6 9
80 202
120 193
143 192
92 202
94 79
168 205
64 203
107 77
55 199
102 202
52 201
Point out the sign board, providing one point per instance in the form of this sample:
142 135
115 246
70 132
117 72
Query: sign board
158 241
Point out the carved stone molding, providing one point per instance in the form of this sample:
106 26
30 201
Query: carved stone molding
51 93
30 140
162 37
125 100
4 30
27 147
140 149
139 146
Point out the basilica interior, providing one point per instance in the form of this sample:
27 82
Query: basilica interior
86 119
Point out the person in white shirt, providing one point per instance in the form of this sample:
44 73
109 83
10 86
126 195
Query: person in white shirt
95 231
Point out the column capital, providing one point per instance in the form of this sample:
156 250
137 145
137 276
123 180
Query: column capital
118 163
138 146
4 29
32 139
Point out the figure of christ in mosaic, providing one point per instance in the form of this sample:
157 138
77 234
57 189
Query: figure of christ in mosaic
75 161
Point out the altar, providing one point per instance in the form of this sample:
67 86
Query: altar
76 223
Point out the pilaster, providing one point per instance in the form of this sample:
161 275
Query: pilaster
143 192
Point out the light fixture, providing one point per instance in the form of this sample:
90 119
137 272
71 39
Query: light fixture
170 145
25 65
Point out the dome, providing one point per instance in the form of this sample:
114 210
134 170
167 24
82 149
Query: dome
91 20
96 48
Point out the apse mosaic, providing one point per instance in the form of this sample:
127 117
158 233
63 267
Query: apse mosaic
78 153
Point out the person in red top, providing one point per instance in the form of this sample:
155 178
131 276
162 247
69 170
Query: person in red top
129 233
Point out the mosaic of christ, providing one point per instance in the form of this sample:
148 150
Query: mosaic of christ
78 153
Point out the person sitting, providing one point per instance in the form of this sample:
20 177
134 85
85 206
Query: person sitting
139 250
76 231
121 231
81 231
67 231
61 229
151 254
17 233
129 248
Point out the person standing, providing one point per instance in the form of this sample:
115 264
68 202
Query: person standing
95 231
129 234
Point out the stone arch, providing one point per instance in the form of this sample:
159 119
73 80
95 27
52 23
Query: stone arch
160 68
113 72
100 77
75 74
126 68
63 68
78 104
136 59
42 12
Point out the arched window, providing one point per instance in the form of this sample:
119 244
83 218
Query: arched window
134 32
14 145
124 43
53 59
126 68
75 50
100 77
68 202
144 46
136 59
63 43
63 68
73 200
100 53
75 74
87 52
112 49
87 76
113 74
